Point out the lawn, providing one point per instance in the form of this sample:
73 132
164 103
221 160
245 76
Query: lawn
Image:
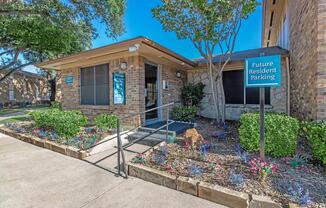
8 111
15 119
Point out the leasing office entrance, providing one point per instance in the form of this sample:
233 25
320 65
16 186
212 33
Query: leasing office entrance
151 92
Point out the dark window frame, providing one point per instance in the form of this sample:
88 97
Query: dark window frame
95 86
244 90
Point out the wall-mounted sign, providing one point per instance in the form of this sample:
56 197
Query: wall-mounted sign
119 83
69 79
263 71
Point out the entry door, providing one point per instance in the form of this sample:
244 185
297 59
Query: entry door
151 91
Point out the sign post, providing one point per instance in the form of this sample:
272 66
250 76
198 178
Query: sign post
263 71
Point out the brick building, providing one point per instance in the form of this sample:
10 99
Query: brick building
23 88
149 75
300 27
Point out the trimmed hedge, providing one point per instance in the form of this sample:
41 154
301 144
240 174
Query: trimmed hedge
184 113
281 133
316 134
65 123
106 122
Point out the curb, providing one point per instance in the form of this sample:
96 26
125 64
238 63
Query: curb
59 148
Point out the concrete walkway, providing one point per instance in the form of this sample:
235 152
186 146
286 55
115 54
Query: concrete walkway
35 177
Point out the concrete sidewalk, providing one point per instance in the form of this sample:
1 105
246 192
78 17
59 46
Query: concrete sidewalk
35 177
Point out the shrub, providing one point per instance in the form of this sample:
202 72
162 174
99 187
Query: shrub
184 113
316 134
192 94
56 104
281 132
106 122
66 123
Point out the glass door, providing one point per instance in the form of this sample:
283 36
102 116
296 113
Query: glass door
151 91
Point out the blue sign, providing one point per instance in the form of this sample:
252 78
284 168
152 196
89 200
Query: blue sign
119 84
69 80
263 71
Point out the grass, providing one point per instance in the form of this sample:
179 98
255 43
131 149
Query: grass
8 111
15 119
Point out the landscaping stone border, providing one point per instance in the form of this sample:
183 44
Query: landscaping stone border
214 193
62 149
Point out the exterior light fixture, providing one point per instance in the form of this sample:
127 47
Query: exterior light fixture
178 74
123 65
134 47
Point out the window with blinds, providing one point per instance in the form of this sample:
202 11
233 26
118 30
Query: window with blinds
233 83
94 85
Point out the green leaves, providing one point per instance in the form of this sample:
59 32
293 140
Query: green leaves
281 133
66 123
106 122
316 134
43 29
192 94
184 113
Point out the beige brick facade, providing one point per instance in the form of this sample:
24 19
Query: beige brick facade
303 58
135 87
278 95
306 38
26 87
321 61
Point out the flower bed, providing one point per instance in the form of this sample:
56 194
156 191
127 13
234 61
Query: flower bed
222 162
81 143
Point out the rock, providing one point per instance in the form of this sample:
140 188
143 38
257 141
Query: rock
194 137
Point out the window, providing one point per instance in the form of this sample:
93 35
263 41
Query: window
95 85
233 82
11 95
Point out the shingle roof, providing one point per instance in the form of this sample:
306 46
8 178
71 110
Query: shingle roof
242 55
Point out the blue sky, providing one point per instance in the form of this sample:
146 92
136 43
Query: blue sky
139 22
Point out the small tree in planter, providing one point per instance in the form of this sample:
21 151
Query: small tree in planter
106 123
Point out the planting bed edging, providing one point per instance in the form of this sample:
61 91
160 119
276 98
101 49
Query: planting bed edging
214 193
211 192
62 149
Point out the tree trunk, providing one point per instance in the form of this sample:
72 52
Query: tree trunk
221 99
214 91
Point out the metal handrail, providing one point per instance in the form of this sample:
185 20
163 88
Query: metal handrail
146 111
119 143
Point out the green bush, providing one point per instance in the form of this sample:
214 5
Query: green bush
192 94
106 122
316 134
56 104
65 123
184 113
281 133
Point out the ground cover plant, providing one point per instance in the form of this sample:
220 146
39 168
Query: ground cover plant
222 161
62 127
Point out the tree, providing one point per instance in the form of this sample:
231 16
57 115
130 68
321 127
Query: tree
212 26
35 30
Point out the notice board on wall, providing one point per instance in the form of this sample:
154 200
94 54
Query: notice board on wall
119 85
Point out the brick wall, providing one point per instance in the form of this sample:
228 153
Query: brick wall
233 111
321 61
26 89
70 94
135 87
303 53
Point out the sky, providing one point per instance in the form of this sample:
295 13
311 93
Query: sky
139 21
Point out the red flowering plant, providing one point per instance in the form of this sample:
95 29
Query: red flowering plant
261 168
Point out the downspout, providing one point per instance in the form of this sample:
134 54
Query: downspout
288 85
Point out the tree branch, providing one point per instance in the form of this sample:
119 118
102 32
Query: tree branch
13 70
13 62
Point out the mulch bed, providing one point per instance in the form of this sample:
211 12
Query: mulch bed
87 137
296 179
